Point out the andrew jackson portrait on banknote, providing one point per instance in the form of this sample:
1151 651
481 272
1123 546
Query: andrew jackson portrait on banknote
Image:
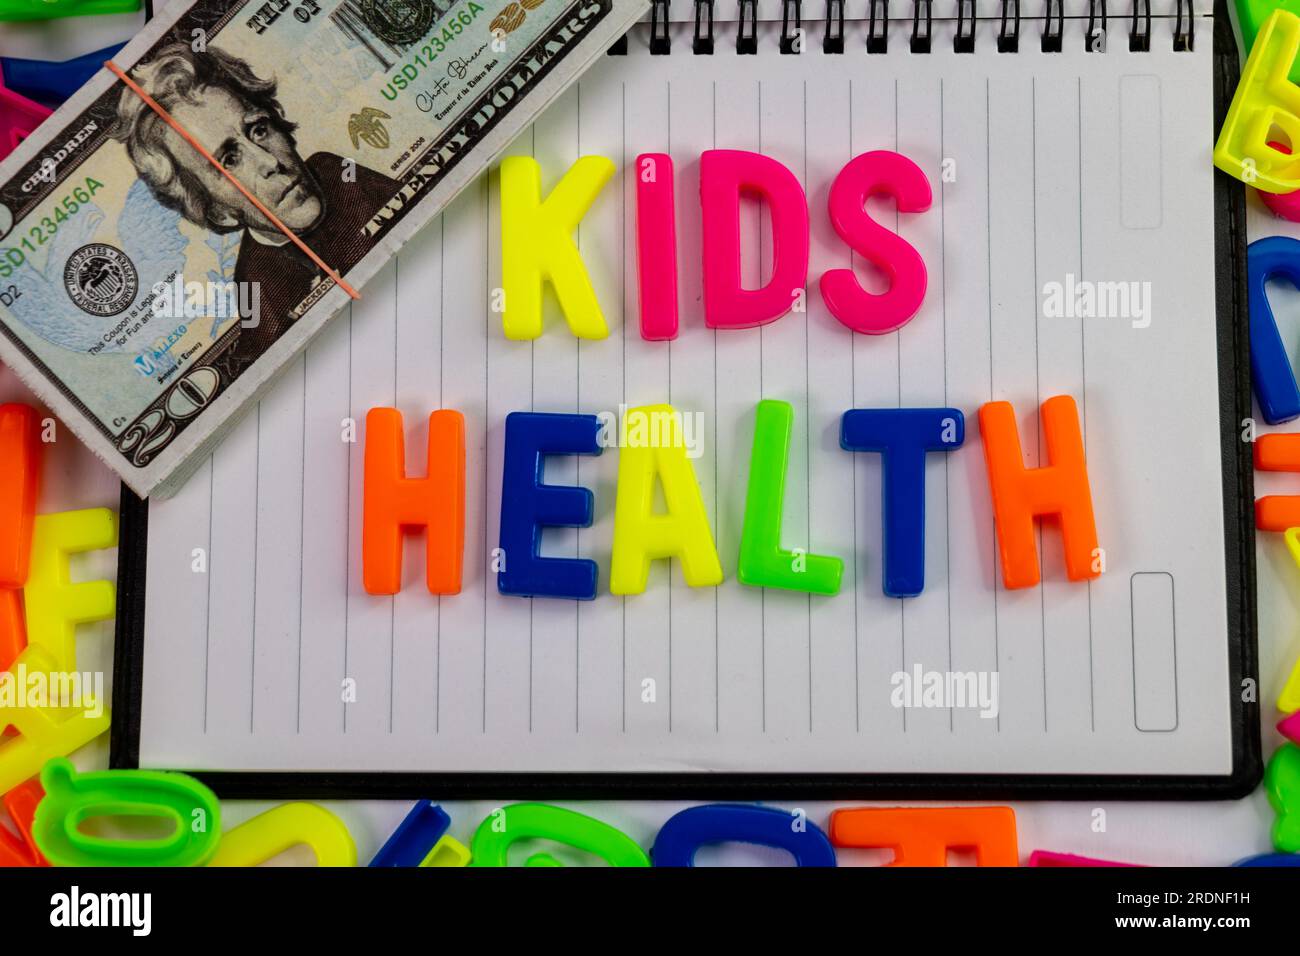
325 199
147 299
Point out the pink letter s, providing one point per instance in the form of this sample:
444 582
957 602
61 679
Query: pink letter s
881 172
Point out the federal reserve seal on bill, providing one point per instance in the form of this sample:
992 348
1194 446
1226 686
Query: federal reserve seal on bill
100 279
399 21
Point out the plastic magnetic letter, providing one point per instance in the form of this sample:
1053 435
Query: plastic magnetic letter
269 834
448 852
651 447
1270 368
1271 859
13 635
1050 858
395 503
656 246
1282 784
1251 15
1265 98
763 562
1277 452
528 505
1285 205
1020 494
541 821
43 732
21 850
50 82
878 173
537 245
54 604
19 116
903 436
1289 727
23 10
726 175
1289 700
414 837
682 836
922 836
1292 538
20 482
72 798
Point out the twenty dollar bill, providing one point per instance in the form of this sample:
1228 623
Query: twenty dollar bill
147 299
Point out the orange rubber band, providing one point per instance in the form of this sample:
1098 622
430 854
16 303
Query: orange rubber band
135 88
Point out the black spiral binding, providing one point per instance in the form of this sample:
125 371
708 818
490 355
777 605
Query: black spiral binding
660 41
878 27
964 41
921 41
1053 30
703 40
747 43
1009 39
1183 41
833 39
921 37
1139 38
791 38
1094 40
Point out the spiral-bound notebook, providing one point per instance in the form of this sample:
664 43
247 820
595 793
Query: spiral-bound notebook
1067 148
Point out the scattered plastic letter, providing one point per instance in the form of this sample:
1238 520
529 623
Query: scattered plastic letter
18 10
51 82
20 482
447 852
1282 784
922 836
19 116
1277 452
43 732
72 798
1289 727
13 635
54 604
415 837
1251 15
1265 98
541 821
1289 700
1049 858
269 834
21 850
682 836
1270 368
1271 859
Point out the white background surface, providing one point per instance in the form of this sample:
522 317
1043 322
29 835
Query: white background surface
1154 833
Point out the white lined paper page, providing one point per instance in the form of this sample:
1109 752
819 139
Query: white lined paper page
245 664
